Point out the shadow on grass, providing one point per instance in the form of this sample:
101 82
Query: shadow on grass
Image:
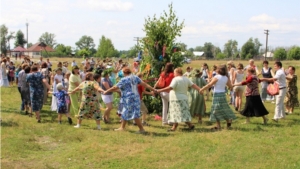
8 123
153 134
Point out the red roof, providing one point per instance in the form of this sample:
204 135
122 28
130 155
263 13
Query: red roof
37 48
18 49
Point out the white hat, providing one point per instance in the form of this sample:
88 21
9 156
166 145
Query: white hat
59 86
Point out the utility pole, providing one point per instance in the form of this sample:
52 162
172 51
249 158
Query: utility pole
27 32
267 34
137 39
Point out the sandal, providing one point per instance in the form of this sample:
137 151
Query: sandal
171 130
215 128
192 127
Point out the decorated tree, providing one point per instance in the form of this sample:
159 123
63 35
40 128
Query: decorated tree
159 44
159 48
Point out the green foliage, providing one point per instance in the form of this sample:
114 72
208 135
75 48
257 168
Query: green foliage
63 50
230 48
106 48
162 31
221 56
84 53
250 48
20 39
48 39
208 50
198 48
280 53
3 34
29 45
85 42
294 53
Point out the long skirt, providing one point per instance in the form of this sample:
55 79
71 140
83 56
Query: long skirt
196 103
220 109
254 107
179 111
45 94
74 103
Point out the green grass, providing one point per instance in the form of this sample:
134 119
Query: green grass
27 144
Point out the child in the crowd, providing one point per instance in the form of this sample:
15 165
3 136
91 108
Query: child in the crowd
142 90
19 68
61 102
66 85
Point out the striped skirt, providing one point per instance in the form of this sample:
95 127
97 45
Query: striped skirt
220 109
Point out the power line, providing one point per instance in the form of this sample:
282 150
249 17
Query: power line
267 34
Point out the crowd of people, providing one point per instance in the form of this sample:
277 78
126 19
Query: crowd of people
79 92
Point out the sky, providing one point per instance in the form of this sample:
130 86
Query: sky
215 21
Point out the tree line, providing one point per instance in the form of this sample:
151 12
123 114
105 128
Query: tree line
85 46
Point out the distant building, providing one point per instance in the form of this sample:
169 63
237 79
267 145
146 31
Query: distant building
269 55
18 51
35 51
198 54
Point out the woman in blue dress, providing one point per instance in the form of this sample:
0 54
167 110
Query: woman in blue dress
36 80
130 99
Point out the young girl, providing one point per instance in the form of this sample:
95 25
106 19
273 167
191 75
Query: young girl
238 77
61 102
58 78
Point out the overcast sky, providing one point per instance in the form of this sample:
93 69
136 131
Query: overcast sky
214 21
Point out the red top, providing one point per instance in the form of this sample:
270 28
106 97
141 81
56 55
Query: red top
141 90
168 79
252 85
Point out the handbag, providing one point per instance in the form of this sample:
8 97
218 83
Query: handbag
273 89
161 82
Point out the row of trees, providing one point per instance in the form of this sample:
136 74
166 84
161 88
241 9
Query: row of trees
85 46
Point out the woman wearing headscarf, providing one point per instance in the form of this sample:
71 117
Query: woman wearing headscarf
196 100
179 110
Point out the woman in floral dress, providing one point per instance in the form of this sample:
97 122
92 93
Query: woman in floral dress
36 80
291 97
89 106
130 99
179 110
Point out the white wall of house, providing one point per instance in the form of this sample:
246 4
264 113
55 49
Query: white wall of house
33 54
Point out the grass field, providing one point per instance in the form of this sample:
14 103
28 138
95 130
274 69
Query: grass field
27 144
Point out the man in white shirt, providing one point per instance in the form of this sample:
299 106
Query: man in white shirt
280 78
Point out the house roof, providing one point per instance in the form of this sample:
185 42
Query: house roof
19 49
40 46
